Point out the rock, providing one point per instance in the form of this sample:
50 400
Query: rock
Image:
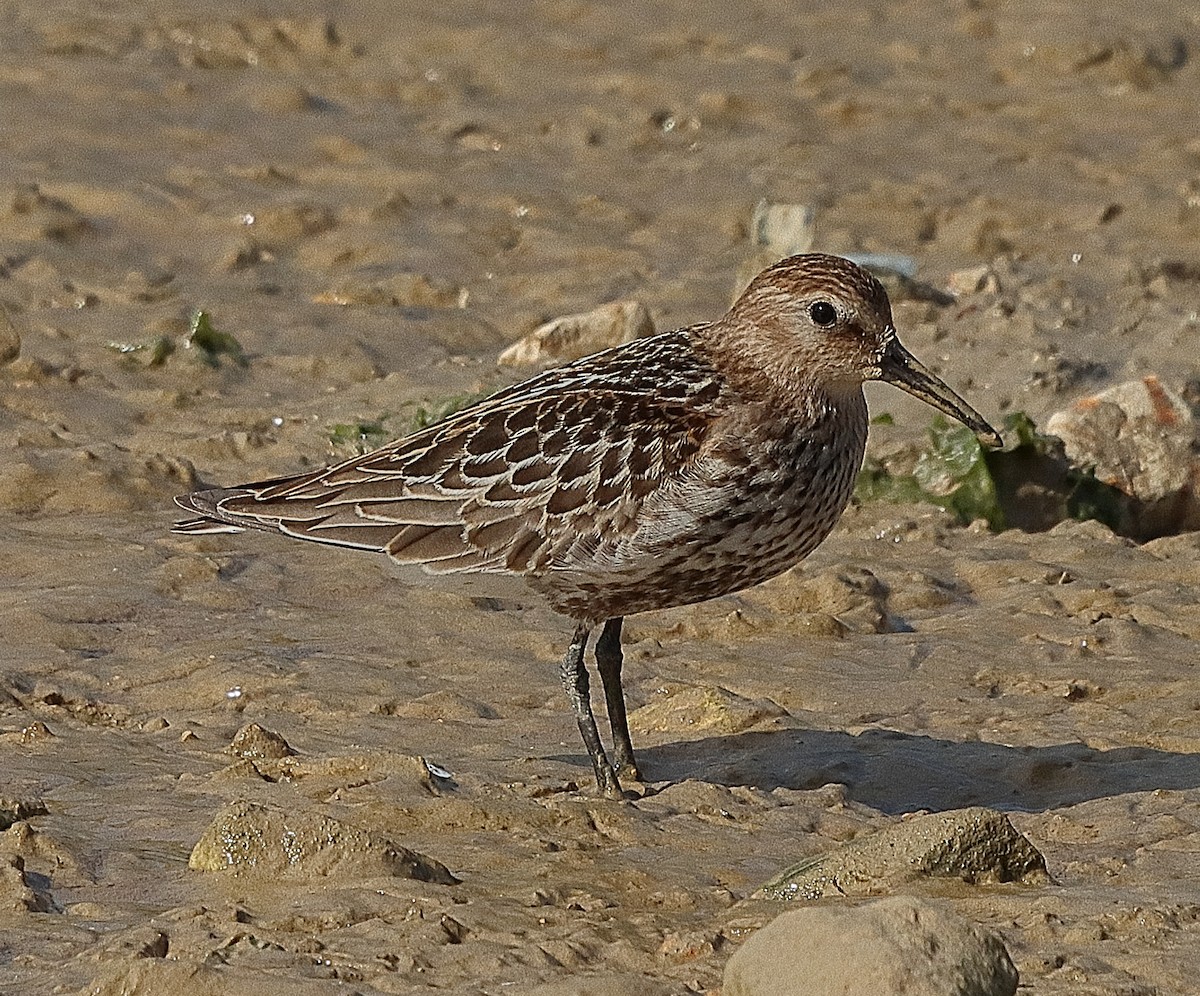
785 229
31 734
895 946
573 336
253 839
328 777
898 274
18 892
974 845
973 280
688 945
776 231
1138 437
22 843
18 810
893 266
10 339
254 743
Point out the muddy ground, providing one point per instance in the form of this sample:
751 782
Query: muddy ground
374 201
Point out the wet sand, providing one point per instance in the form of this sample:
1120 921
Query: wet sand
374 204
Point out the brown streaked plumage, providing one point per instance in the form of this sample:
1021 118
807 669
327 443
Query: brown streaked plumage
666 471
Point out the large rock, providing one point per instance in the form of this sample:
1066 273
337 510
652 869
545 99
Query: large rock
973 845
894 946
1138 438
248 838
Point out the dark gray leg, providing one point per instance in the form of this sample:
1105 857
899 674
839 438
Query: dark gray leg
575 681
608 663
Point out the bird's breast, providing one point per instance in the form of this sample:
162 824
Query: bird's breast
749 508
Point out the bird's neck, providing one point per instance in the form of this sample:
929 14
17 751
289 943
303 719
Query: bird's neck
781 381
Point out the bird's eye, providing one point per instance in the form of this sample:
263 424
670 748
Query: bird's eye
823 313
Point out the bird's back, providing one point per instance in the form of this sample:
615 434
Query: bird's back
533 475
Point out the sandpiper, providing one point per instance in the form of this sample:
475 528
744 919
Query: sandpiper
669 470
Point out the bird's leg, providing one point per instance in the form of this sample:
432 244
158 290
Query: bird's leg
608 663
575 681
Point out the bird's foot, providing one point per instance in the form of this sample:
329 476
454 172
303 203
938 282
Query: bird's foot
612 785
627 771
607 782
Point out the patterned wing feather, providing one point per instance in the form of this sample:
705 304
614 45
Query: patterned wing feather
523 481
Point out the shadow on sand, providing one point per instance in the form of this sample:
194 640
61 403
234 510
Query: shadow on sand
899 772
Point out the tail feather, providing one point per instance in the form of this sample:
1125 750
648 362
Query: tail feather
203 527
234 510
212 518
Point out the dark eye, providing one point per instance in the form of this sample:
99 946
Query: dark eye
823 313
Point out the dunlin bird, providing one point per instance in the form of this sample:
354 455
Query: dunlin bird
669 470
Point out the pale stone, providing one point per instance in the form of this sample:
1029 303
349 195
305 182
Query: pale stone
1137 435
891 947
973 280
572 336
257 743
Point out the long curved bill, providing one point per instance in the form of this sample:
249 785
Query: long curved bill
901 368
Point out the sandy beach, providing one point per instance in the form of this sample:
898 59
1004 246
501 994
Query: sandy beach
373 201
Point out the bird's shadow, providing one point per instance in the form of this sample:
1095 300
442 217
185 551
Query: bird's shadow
901 772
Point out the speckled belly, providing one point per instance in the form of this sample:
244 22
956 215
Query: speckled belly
720 533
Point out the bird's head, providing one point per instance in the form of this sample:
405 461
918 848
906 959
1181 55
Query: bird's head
818 322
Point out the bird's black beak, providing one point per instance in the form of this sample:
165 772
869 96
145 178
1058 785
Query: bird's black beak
901 368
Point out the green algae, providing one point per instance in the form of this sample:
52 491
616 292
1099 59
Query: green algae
1028 483
211 344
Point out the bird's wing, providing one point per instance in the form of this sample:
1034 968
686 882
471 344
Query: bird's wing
522 481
